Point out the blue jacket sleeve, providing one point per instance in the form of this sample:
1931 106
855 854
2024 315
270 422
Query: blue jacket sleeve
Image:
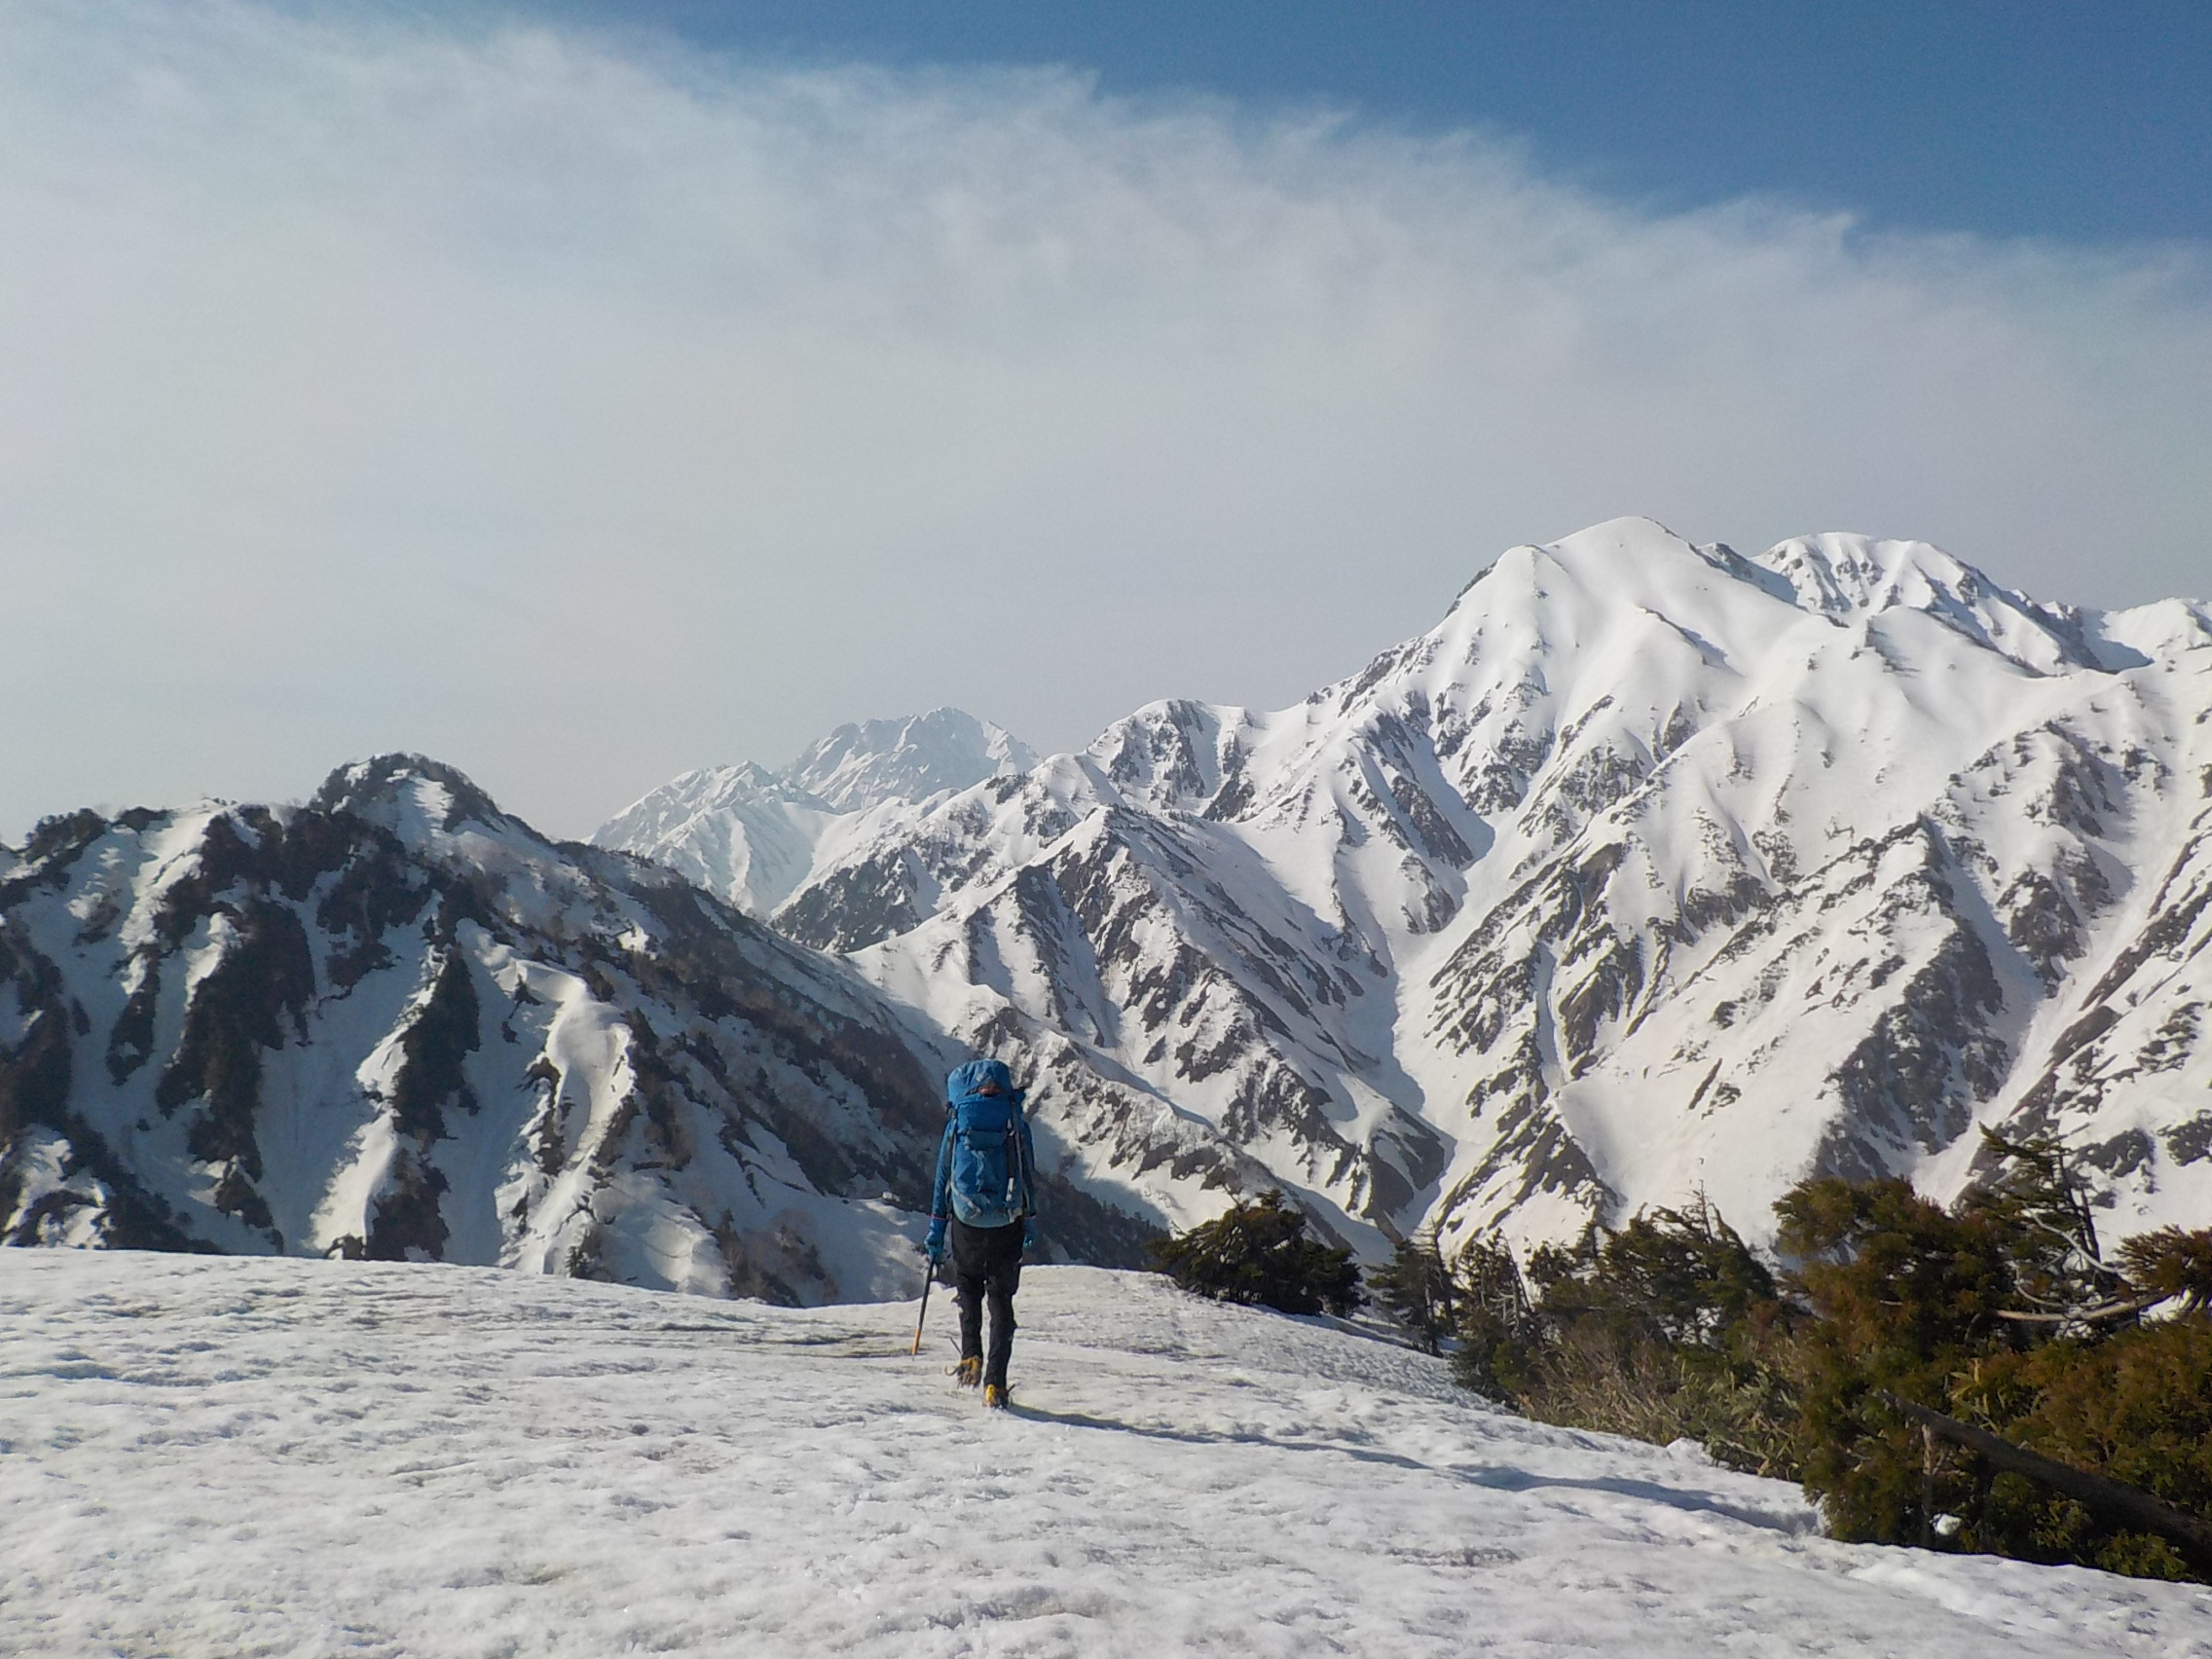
940 1194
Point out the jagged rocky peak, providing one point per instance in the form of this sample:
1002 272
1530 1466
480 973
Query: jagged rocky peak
1172 753
912 757
1837 573
409 794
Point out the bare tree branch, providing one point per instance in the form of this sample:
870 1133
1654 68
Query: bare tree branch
2130 1506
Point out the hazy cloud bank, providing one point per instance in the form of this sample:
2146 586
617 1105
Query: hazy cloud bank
578 414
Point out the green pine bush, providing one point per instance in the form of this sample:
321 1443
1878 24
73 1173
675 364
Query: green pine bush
2001 1309
1667 1330
1417 1289
1258 1254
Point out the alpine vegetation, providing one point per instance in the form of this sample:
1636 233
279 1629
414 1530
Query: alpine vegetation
1985 1376
1258 1253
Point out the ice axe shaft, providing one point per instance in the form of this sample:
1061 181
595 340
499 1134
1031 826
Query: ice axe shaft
928 1272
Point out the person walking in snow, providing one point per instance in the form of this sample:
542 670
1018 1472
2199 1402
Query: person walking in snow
985 1198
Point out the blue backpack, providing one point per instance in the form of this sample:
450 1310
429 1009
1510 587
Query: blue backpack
991 1179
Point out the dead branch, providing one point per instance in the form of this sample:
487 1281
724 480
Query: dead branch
2130 1506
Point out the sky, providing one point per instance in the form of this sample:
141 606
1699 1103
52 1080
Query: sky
2039 117
580 393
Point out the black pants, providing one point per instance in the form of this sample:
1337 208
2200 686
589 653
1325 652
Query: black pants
986 1266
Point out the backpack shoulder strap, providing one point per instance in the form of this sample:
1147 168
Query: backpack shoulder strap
1016 1154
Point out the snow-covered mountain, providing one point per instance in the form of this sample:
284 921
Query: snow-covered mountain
294 1458
396 1023
1652 868
912 760
754 837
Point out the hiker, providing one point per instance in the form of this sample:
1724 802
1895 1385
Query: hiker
986 1196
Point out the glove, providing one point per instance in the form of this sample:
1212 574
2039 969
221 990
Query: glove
1029 1239
934 1245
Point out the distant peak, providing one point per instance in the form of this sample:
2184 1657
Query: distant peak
392 789
906 757
753 775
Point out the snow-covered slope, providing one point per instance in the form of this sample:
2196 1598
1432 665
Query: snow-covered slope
753 836
1650 868
914 758
208 1457
397 1022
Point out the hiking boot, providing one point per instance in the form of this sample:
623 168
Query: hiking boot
994 1395
967 1373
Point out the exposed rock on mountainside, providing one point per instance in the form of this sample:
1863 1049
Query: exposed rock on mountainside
1652 868
397 1023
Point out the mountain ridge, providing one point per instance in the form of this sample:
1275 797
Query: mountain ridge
1502 928
1651 870
397 1023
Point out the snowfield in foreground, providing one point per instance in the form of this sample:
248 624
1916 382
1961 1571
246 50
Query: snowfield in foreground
210 1456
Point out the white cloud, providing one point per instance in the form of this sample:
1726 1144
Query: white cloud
578 414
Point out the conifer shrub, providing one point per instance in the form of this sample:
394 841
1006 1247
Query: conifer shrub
1418 1288
2000 1311
1904 1294
2171 1263
1258 1253
2135 1406
1670 1329
1498 1342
